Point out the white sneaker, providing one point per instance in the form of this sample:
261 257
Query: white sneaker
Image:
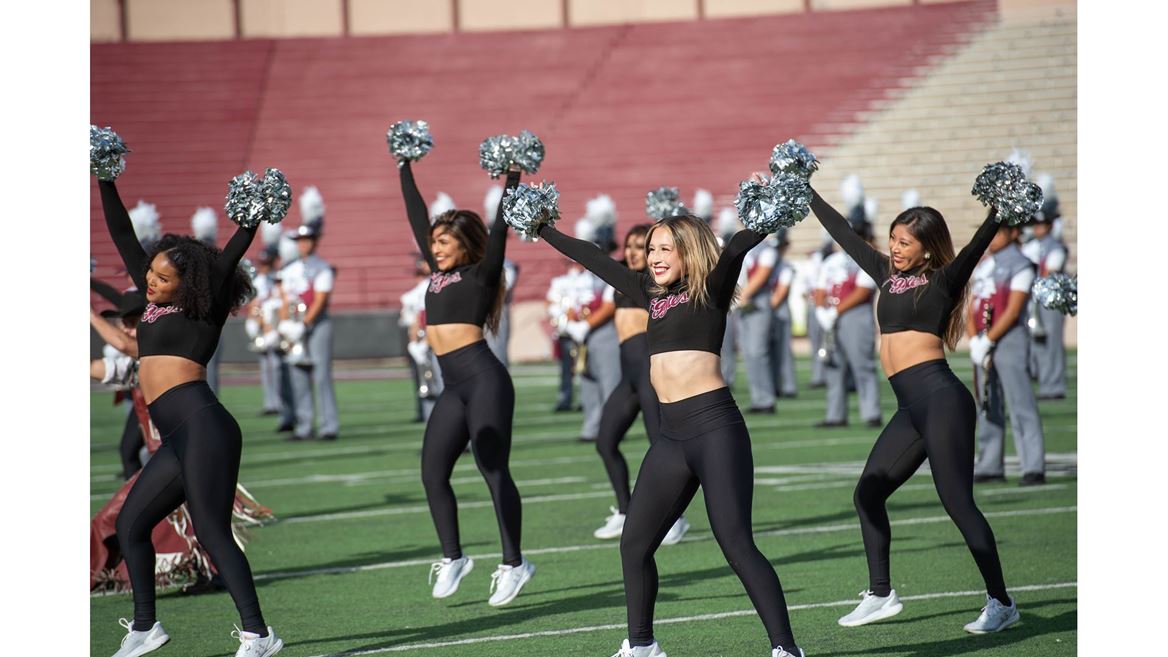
994 616
873 608
679 528
506 582
652 650
450 572
613 525
254 645
139 643
781 652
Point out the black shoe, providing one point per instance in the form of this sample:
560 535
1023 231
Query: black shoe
1032 479
761 410
586 439
819 385
297 439
1046 397
831 425
284 427
789 395
267 412
562 408
875 423
986 478
329 436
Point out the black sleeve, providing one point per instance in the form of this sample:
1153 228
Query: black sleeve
418 214
630 283
491 266
873 262
232 253
121 230
957 273
105 291
724 278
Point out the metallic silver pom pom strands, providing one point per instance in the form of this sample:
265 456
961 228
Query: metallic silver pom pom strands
251 199
499 152
1003 185
794 158
664 202
1058 292
784 199
409 141
106 153
527 207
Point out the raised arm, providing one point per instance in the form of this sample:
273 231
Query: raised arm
231 255
418 215
121 230
958 271
627 281
724 278
870 260
491 266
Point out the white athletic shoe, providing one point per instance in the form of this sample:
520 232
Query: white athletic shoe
613 525
506 582
994 616
873 608
679 528
652 650
450 572
139 643
254 645
781 652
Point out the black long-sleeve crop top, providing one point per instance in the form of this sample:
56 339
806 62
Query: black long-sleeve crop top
464 294
675 323
902 307
165 329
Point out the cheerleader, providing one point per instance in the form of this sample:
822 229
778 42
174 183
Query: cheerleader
688 291
131 444
190 288
782 359
923 286
478 400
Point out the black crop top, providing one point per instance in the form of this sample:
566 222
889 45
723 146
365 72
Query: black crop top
164 329
622 300
675 324
465 294
902 306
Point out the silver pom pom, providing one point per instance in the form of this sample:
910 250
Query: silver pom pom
1004 186
1058 292
409 140
277 195
664 202
528 151
245 205
498 153
527 207
106 151
780 202
793 158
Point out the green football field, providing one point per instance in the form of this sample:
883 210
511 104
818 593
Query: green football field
344 569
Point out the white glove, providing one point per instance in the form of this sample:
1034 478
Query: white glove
980 347
290 329
577 330
419 351
826 317
118 370
251 326
271 340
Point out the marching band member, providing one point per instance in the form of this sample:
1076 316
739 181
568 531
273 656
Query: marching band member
560 300
755 320
1048 356
419 356
782 359
205 228
592 326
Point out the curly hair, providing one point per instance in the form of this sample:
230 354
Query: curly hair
195 261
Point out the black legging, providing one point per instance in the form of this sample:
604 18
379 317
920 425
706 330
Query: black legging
476 404
198 463
633 394
935 419
130 444
703 442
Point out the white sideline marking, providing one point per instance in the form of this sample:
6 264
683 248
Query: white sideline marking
815 529
666 621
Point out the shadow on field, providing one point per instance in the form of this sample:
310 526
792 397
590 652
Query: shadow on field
389 499
366 559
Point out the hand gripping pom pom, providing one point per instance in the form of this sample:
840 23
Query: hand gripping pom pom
1058 292
409 140
793 158
106 153
527 207
781 202
1003 186
499 152
277 195
664 202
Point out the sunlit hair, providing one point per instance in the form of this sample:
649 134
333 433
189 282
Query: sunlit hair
195 263
929 228
468 230
696 247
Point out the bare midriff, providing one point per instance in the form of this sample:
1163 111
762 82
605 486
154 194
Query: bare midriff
903 349
678 375
157 374
445 338
630 322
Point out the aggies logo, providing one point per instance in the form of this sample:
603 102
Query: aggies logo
153 312
439 280
902 284
661 305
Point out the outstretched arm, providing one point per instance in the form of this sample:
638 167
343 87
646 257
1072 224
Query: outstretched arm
121 230
724 278
957 273
627 281
870 260
418 215
231 255
491 266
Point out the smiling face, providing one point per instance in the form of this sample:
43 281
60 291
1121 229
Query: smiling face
162 280
448 252
635 252
906 250
664 259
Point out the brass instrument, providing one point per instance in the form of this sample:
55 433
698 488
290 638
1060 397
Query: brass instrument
1034 322
296 351
426 377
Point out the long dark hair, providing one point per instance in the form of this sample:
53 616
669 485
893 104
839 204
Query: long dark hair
929 228
468 228
194 262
